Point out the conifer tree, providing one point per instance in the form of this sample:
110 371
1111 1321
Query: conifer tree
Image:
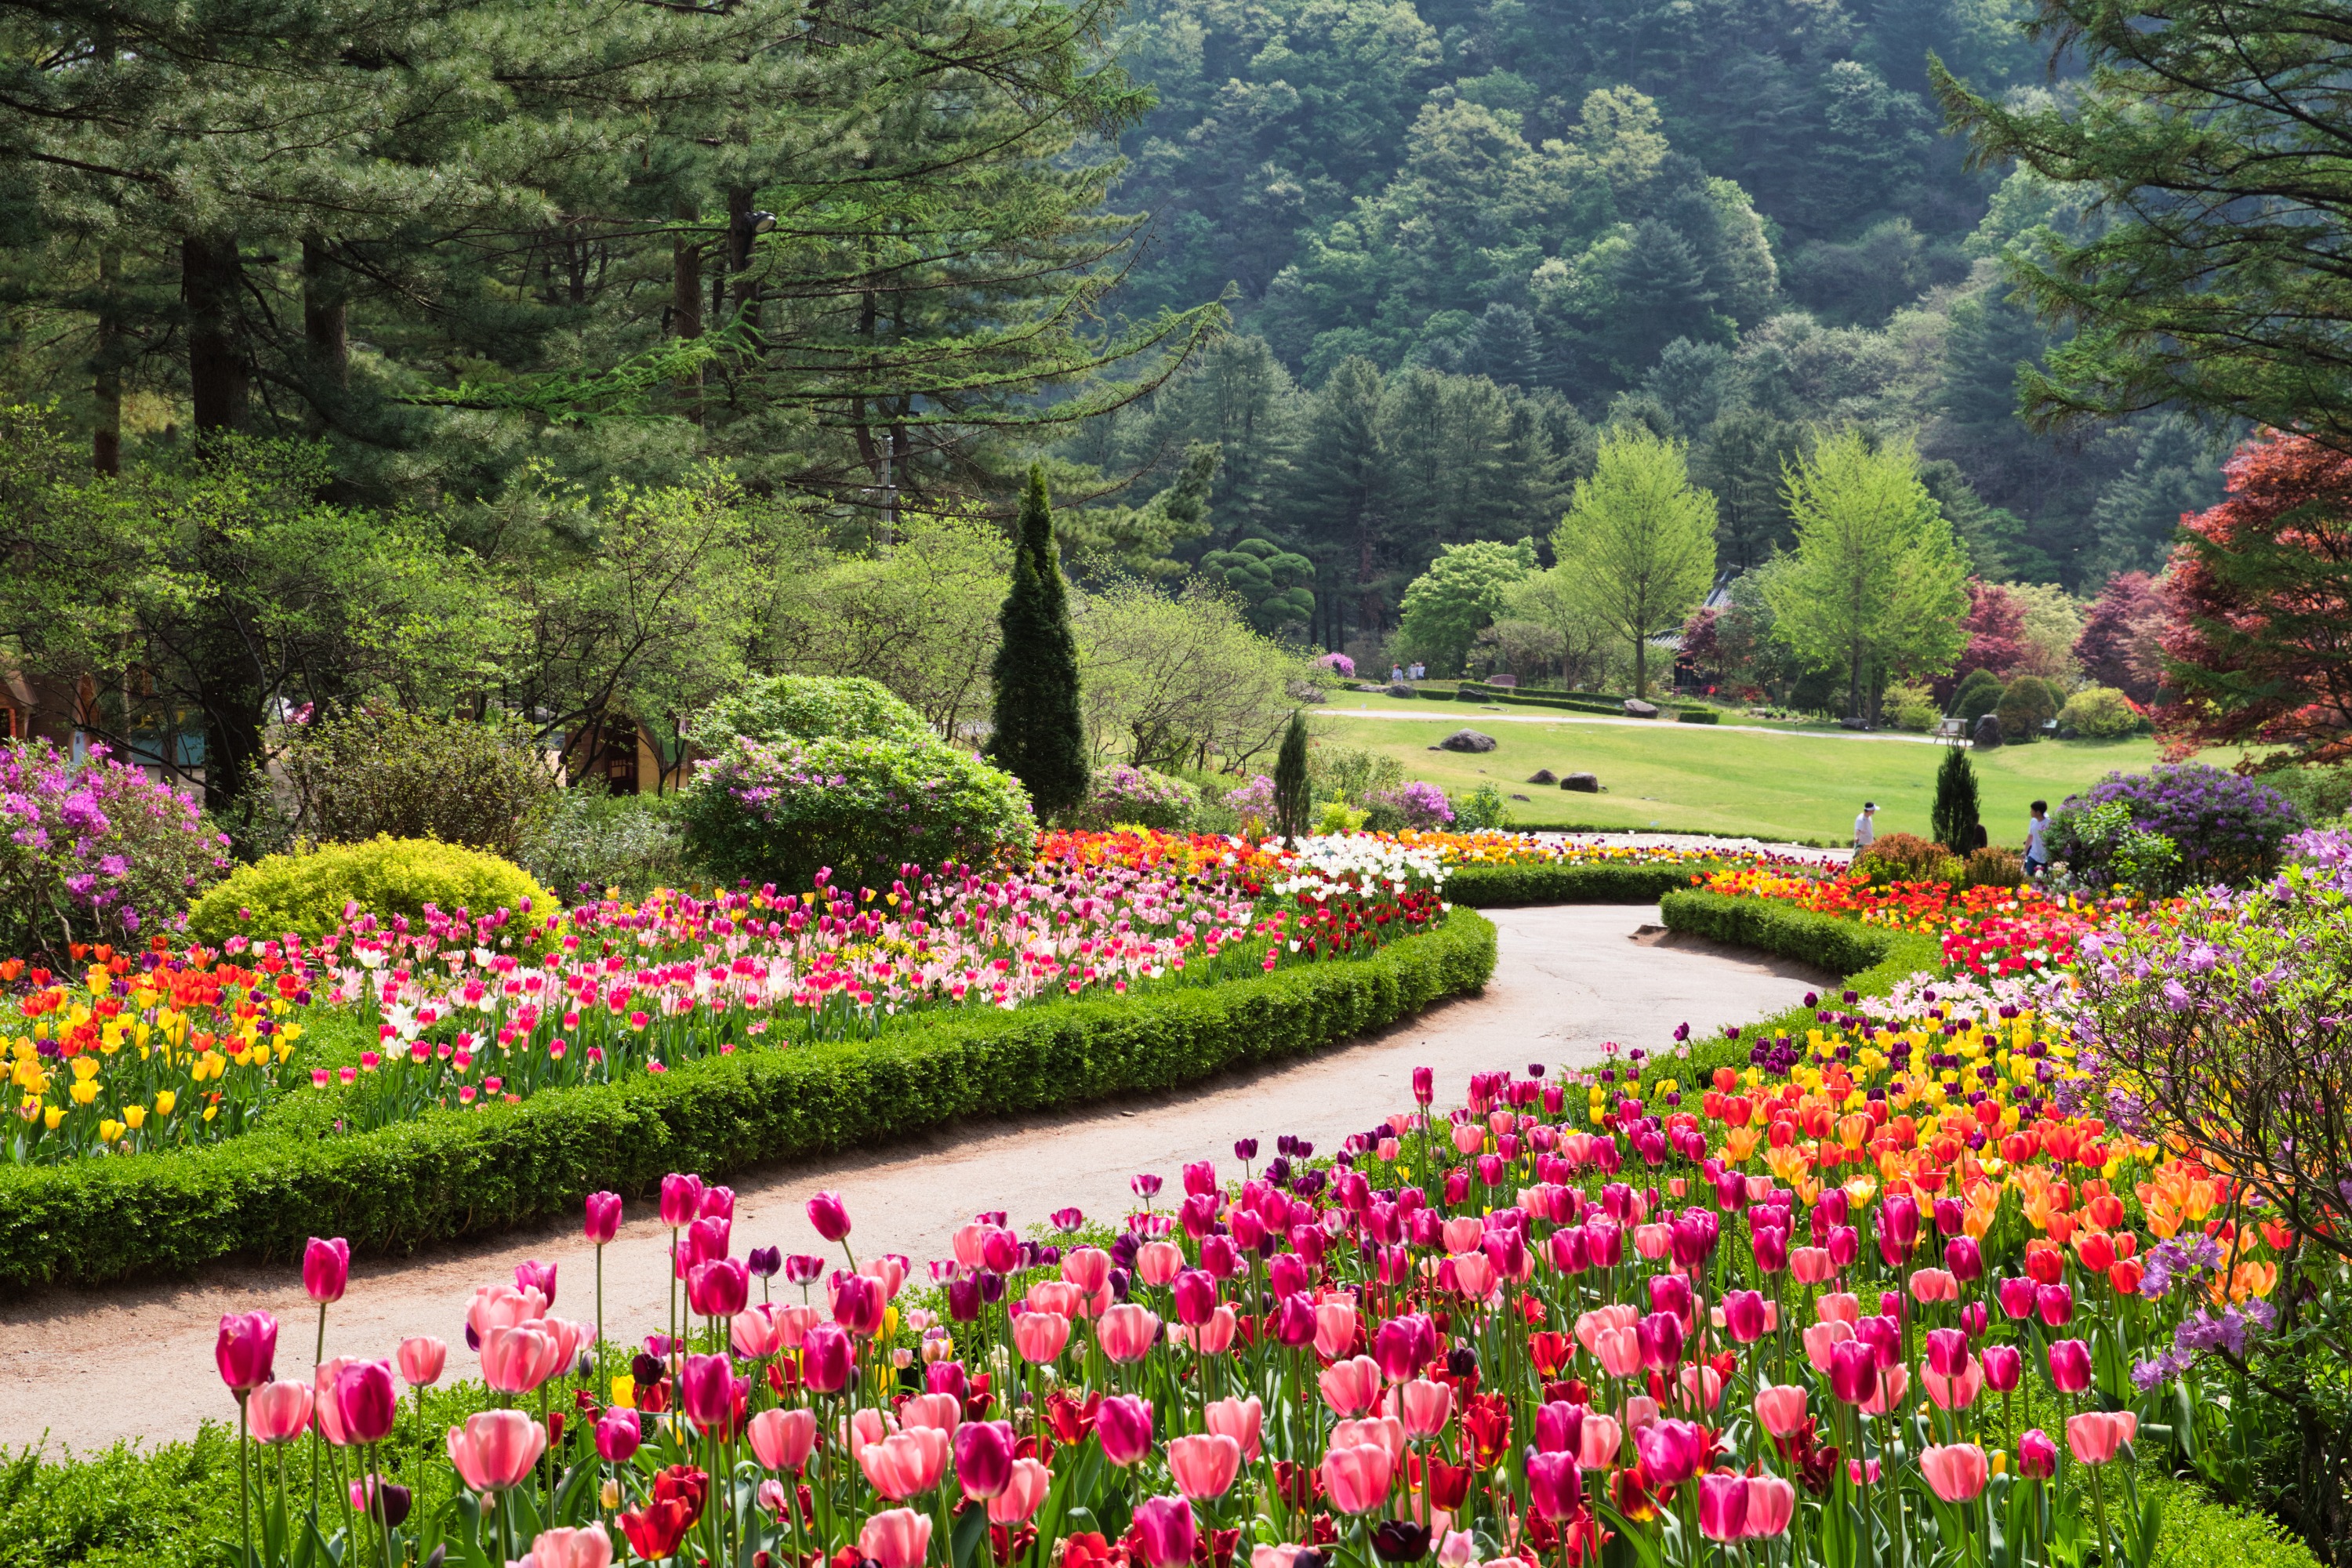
1039 736
1292 798
1954 817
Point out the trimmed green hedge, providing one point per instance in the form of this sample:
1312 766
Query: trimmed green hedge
453 1173
1697 716
1500 887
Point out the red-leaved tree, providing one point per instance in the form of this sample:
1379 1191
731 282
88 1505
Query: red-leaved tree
2119 642
1995 628
2259 646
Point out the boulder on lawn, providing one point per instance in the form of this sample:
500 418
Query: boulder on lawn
1543 775
1468 741
1402 690
1988 733
1637 708
1519 798
1585 783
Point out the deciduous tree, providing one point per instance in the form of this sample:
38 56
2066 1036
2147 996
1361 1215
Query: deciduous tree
1637 547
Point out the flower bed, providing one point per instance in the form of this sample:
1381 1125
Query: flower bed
1554 1322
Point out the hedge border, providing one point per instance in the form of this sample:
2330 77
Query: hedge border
456 1174
1488 887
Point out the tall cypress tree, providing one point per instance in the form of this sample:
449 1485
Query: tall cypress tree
1291 798
1955 818
1039 737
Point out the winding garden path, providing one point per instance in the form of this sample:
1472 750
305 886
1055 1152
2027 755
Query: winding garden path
82 1369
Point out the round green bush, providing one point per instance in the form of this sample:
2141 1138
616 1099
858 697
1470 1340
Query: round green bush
378 774
2100 713
2025 706
779 811
807 708
1979 694
307 892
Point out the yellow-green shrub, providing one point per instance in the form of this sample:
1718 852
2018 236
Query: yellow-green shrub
307 892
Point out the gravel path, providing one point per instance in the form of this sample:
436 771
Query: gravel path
85 1368
1485 715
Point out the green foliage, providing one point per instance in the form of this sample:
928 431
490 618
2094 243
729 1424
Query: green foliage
1350 772
1293 795
1979 694
585 839
808 707
1491 887
1636 551
1482 808
1993 867
1697 716
2026 704
2102 713
1909 705
1955 816
307 891
1446 606
1272 581
1338 817
2321 793
1840 946
1142 797
460 1173
1876 584
379 773
780 811
1040 737
1908 857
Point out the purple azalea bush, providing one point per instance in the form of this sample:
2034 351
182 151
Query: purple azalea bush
95 852
1419 805
1339 664
1143 797
2228 829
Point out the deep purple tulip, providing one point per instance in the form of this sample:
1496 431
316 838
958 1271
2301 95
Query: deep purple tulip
765 1261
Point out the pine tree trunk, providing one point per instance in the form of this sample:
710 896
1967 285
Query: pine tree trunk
326 315
211 276
686 303
105 371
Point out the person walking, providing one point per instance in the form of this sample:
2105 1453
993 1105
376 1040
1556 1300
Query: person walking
1862 831
2037 839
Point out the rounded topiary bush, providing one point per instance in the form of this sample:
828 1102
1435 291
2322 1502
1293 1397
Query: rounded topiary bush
1144 797
1908 857
807 707
779 811
2100 713
2026 704
2225 828
1977 694
309 892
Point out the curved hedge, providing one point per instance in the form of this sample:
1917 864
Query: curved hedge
452 1174
1601 882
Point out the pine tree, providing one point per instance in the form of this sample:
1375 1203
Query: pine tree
1039 736
1292 797
1954 817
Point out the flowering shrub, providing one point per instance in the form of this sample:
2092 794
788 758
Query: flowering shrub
584 842
94 853
1145 797
313 893
1339 664
780 811
2227 828
1416 807
158 1051
1901 857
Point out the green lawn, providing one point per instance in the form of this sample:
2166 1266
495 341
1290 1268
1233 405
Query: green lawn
1694 778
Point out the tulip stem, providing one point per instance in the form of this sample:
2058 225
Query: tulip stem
317 1356
244 1480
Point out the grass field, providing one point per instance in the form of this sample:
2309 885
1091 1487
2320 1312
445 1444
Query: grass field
1696 778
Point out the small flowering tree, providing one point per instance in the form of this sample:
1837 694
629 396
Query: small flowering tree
1419 805
95 852
1145 797
2225 828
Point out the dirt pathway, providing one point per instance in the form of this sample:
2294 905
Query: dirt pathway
89 1367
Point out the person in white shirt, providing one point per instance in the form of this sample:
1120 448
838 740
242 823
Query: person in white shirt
2037 839
1862 831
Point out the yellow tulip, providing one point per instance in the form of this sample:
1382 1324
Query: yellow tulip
54 1114
84 1092
164 1101
136 1115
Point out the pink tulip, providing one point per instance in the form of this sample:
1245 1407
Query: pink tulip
1195 1293
588 1547
1722 1506
1204 1465
1892 1380
1351 1387
1123 1426
1771 1503
1127 1331
1386 1431
1554 1488
719 1289
906 1464
1951 1392
1158 1262
1025 1489
858 1302
681 1200
792 1324
755 1333
1929 1285
1089 1267
1424 1406
600 1220
246 1348
278 1412
1701 1387
1639 1413
366 1401
1242 1420
938 1409
1599 1440
533 1275
1822 1340
1620 1351
1165 1529
326 1415
1356 1479
1781 1409
2004 1366
1838 1306
1212 1336
1473 1275
2095 1436
898 1537
1040 1336
1057 1296
326 1269
2037 1455
1744 1314
1812 1265
497 1449
1956 1472
618 1436
421 1361
830 1216
518 1360
502 1307
781 1440
1335 1329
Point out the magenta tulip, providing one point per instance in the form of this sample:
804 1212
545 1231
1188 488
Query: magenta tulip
326 1269
1722 1506
2037 1455
1123 1425
2069 1366
681 1200
367 1401
603 1220
1554 1488
830 1216
2004 1366
617 1436
983 1457
1165 1529
826 1356
246 1350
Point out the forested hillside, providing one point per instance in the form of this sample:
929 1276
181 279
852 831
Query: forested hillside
1457 235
